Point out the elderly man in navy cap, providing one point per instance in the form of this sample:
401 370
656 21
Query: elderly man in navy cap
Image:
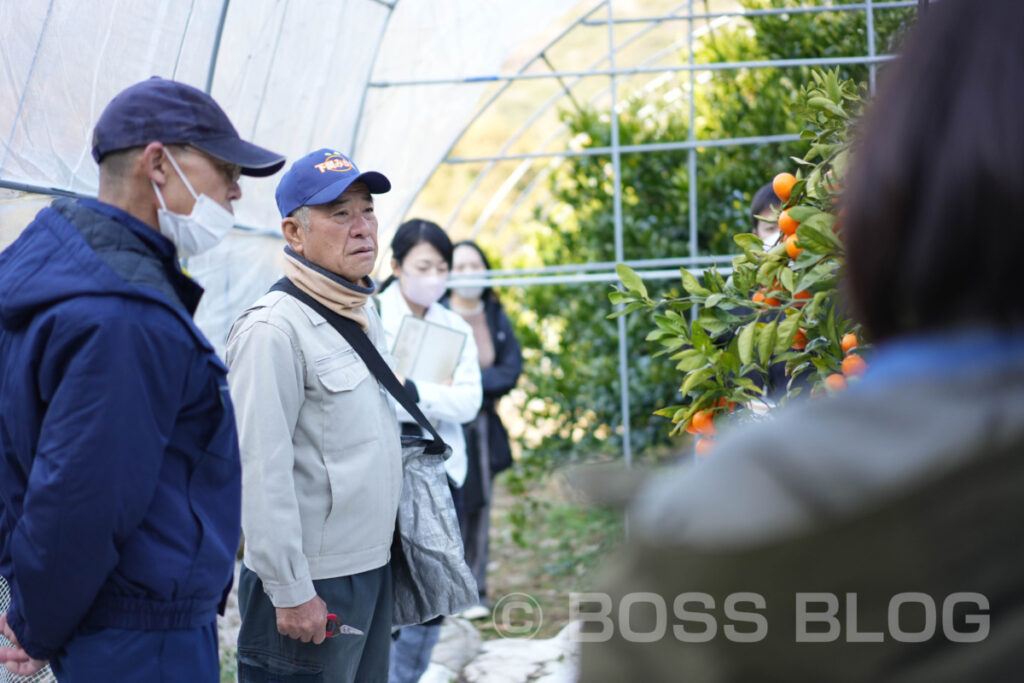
119 468
320 443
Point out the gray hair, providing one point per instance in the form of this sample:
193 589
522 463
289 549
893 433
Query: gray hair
302 214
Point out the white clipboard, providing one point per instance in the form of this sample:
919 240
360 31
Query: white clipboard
426 351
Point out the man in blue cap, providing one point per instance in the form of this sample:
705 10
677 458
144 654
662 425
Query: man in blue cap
119 467
321 451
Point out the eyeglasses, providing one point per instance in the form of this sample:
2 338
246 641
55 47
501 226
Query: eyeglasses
231 172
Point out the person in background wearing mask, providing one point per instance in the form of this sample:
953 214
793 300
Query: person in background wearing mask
762 206
420 263
501 363
321 451
119 467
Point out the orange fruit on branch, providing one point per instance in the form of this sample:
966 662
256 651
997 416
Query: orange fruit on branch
800 340
704 447
849 341
787 224
835 382
791 247
783 185
704 422
854 366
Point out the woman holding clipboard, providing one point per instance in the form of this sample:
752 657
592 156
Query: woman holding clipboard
449 396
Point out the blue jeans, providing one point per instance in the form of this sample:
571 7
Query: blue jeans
410 653
125 656
361 600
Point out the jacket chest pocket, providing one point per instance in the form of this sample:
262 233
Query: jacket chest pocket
346 390
341 373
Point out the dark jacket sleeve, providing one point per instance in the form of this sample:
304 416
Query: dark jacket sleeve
112 388
500 378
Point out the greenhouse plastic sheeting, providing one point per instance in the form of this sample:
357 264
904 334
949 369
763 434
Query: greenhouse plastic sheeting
293 76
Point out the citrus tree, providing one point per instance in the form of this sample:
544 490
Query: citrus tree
571 381
780 305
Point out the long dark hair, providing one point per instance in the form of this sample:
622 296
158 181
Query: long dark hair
936 190
413 232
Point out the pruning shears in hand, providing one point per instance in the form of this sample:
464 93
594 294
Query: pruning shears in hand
336 627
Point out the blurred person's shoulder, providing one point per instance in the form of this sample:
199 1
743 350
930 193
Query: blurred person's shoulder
825 459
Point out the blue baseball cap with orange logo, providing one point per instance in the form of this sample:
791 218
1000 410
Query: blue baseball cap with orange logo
320 177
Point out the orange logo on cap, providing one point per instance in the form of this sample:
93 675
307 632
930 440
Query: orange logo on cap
334 162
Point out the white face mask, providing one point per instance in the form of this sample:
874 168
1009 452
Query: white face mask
199 231
468 292
424 290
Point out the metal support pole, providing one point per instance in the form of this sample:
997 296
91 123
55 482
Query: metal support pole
353 146
627 447
871 47
632 149
634 71
691 156
815 9
40 190
216 46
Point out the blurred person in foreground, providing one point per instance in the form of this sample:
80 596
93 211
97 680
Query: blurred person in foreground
321 452
119 469
872 536
487 447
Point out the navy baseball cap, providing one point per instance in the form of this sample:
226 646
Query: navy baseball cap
159 110
321 177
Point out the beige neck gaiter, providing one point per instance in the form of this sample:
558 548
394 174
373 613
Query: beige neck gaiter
343 300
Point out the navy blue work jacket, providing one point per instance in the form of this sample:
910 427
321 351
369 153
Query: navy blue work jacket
120 483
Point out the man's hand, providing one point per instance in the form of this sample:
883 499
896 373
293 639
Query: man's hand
306 622
14 658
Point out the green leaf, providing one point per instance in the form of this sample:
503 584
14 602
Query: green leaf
669 411
824 271
617 297
694 378
821 221
748 241
811 309
802 213
786 278
700 337
768 270
714 300
691 285
631 280
787 332
822 365
635 306
714 279
746 343
713 326
692 362
729 361
747 383
766 342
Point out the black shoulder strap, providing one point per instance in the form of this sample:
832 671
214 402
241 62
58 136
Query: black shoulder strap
353 333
